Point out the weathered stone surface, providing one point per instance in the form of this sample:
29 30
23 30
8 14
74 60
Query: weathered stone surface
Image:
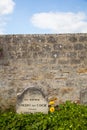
58 46
32 100
51 39
78 46
46 47
83 96
55 54
63 61
83 38
72 54
55 63
73 39
75 61
82 55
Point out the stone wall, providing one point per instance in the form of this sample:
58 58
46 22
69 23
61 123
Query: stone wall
55 63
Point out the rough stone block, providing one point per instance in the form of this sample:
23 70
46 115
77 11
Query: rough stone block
51 39
75 61
82 38
83 96
73 39
78 46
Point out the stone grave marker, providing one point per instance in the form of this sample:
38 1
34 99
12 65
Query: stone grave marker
83 96
32 100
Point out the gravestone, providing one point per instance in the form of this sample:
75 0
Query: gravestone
83 96
32 100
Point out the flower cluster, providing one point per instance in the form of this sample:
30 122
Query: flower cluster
52 104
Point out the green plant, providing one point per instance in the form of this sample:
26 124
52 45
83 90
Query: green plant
67 116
